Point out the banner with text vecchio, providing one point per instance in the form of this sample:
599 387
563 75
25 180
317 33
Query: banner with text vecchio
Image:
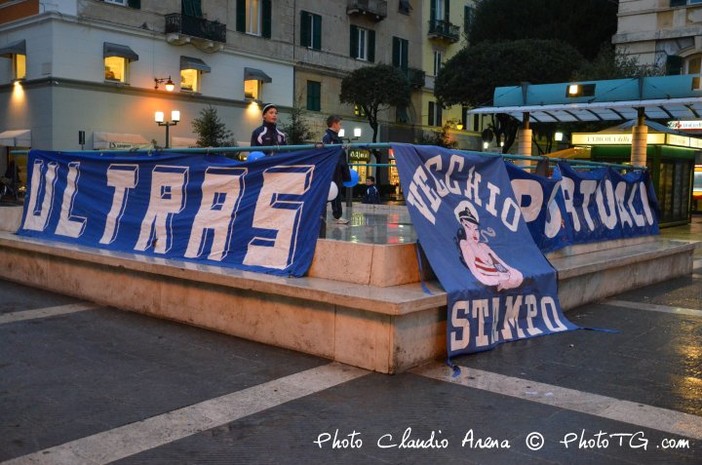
262 215
500 286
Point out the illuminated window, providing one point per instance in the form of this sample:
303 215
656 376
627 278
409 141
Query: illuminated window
191 70
116 69
358 111
19 66
252 89
116 60
580 90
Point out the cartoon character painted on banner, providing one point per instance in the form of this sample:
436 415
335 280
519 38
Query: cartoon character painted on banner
478 257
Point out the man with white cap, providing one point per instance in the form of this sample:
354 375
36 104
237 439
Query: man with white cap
268 133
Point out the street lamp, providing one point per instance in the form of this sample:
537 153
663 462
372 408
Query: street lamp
159 118
167 81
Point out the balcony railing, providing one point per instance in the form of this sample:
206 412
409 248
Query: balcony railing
375 9
196 27
416 77
441 29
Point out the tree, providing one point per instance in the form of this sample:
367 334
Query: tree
585 25
611 64
375 88
470 77
211 132
298 129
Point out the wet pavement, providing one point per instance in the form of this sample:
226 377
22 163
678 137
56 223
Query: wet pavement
81 383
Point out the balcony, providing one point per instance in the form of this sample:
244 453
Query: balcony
376 10
416 77
204 34
444 30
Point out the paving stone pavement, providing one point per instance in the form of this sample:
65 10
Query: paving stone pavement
86 384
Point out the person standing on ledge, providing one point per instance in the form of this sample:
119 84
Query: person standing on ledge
341 172
268 133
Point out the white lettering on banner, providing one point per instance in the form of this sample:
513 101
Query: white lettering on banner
167 198
427 198
123 178
554 218
281 216
69 224
620 196
519 313
528 190
644 202
38 216
608 214
587 188
222 190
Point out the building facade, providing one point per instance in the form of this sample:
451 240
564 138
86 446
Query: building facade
91 74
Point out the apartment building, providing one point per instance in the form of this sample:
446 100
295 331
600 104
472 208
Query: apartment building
666 33
92 74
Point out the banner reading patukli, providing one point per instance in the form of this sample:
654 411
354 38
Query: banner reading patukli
500 286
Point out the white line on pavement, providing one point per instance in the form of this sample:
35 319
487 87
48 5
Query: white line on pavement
653 307
46 312
118 443
669 421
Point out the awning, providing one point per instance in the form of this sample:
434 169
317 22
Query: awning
183 142
194 63
116 50
15 48
113 140
674 108
251 74
16 138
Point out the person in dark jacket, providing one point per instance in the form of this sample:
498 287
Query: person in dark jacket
268 133
341 172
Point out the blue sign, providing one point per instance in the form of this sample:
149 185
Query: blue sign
262 215
500 286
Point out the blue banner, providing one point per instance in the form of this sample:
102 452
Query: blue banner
500 286
261 216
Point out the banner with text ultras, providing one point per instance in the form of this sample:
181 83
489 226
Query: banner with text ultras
262 215
500 286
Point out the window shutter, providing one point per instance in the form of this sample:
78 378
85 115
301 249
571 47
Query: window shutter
430 121
432 10
396 52
371 46
677 2
447 10
673 65
439 115
241 15
266 18
316 32
354 42
404 57
305 29
134 4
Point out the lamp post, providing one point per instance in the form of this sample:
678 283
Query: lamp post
175 118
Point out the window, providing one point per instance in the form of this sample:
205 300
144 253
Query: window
19 66
435 116
438 61
190 73
17 53
693 65
129 3
362 44
405 7
684 2
439 10
253 82
314 95
358 111
254 17
116 60
468 12
400 53
310 30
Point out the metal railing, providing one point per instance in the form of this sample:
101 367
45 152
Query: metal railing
196 27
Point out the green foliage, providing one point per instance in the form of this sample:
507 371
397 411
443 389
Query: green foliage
585 25
298 129
470 76
441 138
375 88
611 64
211 132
